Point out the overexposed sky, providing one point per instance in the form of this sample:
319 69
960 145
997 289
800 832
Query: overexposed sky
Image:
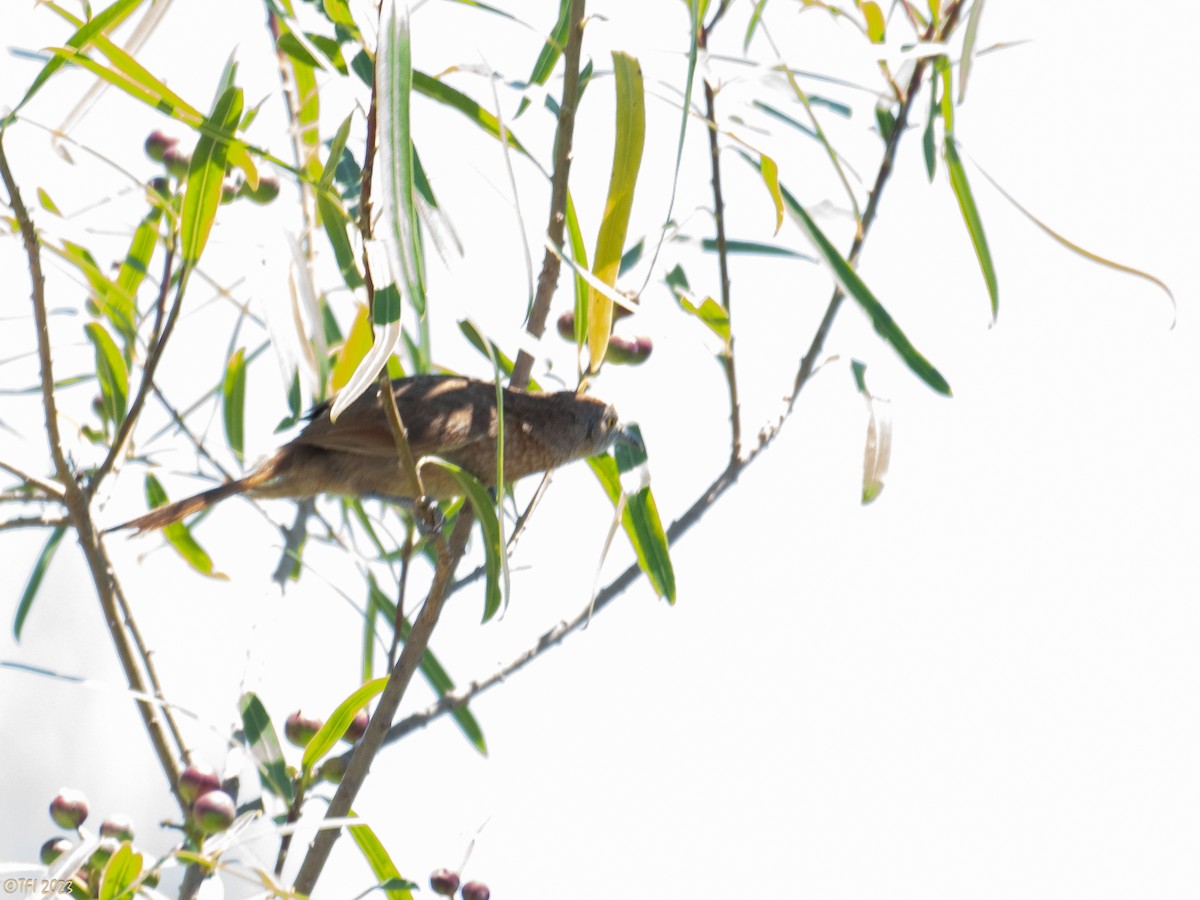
984 684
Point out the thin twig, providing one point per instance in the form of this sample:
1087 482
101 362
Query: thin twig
714 150
46 487
42 521
551 265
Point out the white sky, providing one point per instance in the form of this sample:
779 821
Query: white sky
982 685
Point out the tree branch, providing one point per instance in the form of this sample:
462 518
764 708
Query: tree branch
551 265
449 554
74 497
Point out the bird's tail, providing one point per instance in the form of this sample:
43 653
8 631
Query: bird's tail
170 513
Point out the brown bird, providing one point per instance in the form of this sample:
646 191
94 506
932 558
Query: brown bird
446 416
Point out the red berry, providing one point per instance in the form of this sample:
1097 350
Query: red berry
299 729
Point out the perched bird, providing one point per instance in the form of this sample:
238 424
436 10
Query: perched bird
444 415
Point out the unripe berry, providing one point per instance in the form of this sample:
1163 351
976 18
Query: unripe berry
299 729
118 826
69 809
357 727
214 812
53 849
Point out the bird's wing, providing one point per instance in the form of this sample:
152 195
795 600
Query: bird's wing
441 417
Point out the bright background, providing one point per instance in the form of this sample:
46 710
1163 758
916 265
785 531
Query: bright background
983 684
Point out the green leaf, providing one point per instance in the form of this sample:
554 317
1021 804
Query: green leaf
110 369
34 583
339 720
399 230
335 222
551 51
970 213
711 313
47 203
927 136
490 350
640 518
876 25
847 279
233 402
630 138
448 96
485 511
770 176
106 20
264 745
206 175
120 874
579 255
134 269
968 51
179 536
755 17
395 886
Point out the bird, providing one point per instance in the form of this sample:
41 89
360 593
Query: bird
449 416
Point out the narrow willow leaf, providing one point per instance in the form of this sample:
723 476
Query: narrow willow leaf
110 369
398 228
356 346
34 582
265 747
579 255
876 26
1075 248
115 304
556 42
877 451
751 248
339 13
490 350
179 536
339 720
770 176
335 222
336 146
233 403
630 134
373 851
970 213
134 269
848 280
455 99
755 17
642 526
206 175
386 336
485 512
927 136
106 20
968 51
